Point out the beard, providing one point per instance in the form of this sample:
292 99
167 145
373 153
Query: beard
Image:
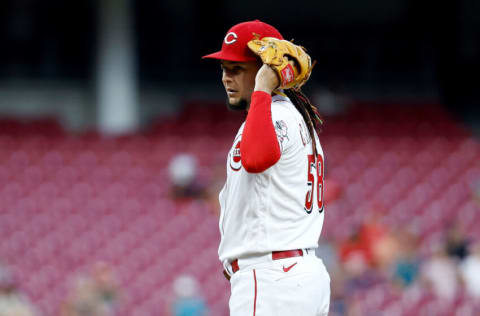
239 106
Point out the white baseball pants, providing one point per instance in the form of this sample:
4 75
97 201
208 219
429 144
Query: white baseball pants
297 286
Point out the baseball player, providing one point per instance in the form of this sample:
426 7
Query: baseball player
272 202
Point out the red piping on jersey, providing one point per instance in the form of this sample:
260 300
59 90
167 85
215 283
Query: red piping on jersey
255 297
259 147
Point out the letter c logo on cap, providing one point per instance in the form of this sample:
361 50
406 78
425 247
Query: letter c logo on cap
230 38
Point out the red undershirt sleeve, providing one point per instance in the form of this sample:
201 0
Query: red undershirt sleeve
259 147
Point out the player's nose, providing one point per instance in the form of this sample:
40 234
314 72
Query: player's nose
226 78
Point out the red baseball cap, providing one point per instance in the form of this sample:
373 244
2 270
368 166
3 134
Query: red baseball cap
234 47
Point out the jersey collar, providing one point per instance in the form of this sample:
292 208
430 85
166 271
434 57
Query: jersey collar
279 96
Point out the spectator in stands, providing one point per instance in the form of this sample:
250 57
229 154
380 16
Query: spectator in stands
439 274
407 264
93 294
12 301
457 242
187 301
470 272
368 243
385 252
183 174
353 250
357 265
372 234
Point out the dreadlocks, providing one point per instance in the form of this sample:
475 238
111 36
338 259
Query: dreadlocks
309 113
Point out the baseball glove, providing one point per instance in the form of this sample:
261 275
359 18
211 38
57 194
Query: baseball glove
291 63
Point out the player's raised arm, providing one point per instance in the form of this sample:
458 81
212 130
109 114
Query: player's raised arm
260 149
285 66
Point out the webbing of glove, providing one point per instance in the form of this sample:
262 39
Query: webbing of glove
291 63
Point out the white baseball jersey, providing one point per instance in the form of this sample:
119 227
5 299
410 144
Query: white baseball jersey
280 208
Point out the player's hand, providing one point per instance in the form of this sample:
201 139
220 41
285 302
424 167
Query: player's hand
266 79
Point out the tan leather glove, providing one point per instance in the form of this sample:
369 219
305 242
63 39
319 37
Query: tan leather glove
291 63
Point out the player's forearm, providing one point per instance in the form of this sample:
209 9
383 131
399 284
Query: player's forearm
259 147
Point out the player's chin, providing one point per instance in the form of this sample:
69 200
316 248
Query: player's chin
236 104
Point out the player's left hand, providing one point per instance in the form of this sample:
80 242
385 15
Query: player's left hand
266 79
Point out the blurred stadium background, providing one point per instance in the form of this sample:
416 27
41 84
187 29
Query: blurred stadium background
113 138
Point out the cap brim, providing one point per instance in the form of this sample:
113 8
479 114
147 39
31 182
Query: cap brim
230 57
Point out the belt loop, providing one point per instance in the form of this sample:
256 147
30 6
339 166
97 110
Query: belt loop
228 268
